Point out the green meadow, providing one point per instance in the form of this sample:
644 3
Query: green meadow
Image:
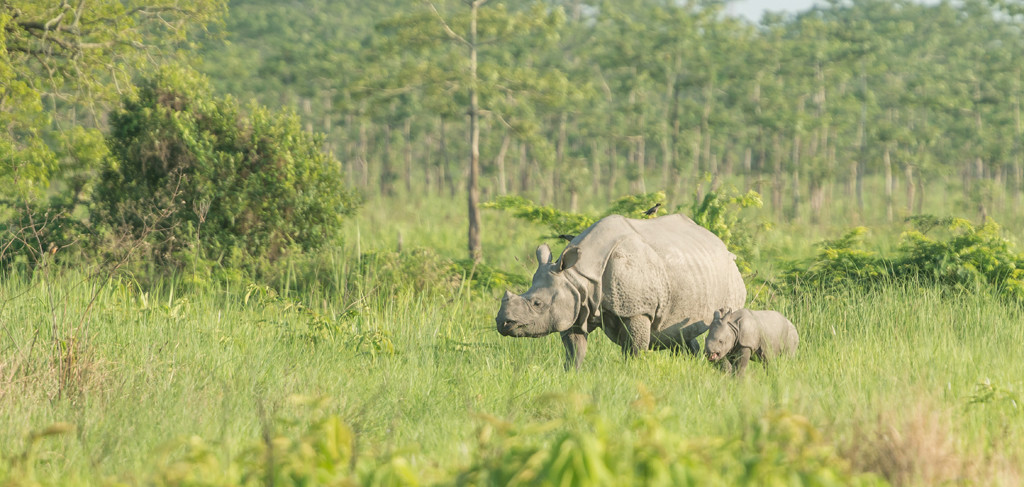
369 365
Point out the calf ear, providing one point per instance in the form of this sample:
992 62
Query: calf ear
718 315
543 254
569 258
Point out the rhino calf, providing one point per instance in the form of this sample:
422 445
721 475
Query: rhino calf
737 335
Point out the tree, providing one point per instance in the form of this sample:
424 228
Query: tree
253 184
63 63
433 37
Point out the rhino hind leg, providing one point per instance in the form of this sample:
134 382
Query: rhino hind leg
638 335
678 337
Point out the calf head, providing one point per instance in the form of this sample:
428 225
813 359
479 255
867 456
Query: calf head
721 336
550 305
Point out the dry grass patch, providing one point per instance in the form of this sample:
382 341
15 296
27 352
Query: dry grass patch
919 446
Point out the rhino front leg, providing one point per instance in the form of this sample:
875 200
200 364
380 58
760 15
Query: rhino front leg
575 343
742 359
638 335
693 346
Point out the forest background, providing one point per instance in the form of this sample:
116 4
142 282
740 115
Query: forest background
230 206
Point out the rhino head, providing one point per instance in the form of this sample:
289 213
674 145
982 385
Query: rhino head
550 305
721 336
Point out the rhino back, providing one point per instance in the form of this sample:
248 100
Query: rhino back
692 269
701 272
779 334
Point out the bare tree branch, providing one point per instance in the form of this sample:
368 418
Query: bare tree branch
447 30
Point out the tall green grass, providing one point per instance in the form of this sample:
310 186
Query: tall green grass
355 369
415 375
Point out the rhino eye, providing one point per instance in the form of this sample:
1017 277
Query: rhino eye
536 302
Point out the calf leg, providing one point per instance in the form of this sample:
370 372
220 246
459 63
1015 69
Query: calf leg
742 360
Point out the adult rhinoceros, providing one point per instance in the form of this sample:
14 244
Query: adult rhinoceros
648 283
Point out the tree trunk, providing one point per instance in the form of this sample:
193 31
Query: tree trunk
641 157
817 200
407 153
446 167
666 161
887 163
499 163
613 173
777 177
748 156
473 184
595 171
364 165
919 208
908 174
387 172
524 168
1018 179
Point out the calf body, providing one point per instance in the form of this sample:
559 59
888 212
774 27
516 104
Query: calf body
736 336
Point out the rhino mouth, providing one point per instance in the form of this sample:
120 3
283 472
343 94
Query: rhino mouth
512 328
713 356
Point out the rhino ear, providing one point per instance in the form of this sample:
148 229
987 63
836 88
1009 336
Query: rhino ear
569 258
543 254
718 315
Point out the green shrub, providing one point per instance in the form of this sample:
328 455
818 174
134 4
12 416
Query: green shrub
719 212
581 448
969 258
838 263
188 169
779 448
558 221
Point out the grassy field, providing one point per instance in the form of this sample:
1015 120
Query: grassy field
390 372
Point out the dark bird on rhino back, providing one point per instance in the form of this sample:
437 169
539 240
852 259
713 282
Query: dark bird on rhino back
649 284
652 210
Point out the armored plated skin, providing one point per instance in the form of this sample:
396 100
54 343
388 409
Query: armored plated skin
649 284
737 336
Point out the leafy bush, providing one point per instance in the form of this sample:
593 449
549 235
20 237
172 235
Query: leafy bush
558 221
969 258
717 211
581 448
634 206
35 234
778 449
190 170
838 263
323 453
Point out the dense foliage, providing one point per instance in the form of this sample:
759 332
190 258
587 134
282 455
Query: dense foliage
372 359
968 258
62 65
718 211
866 110
232 183
582 449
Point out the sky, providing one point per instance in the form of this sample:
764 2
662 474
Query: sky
752 9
